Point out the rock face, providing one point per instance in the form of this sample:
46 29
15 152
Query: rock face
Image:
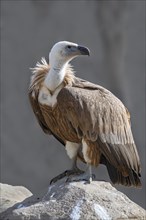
10 195
75 201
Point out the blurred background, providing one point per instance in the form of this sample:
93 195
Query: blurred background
115 33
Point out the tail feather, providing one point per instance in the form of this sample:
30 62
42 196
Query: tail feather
117 178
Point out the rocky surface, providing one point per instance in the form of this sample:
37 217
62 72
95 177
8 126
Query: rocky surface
76 200
10 195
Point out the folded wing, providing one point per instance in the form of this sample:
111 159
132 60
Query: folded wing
98 116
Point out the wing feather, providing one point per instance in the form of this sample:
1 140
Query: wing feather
97 115
38 113
33 97
38 75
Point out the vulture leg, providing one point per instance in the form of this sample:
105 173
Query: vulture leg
74 171
84 176
90 175
90 152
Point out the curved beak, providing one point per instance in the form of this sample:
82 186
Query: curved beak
83 50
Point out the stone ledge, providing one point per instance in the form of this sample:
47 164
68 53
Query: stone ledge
75 201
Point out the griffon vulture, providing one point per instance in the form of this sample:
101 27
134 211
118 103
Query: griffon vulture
92 124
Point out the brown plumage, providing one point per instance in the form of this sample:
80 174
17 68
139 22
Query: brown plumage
89 112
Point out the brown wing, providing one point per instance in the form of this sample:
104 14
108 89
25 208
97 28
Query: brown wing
33 97
38 76
37 111
97 115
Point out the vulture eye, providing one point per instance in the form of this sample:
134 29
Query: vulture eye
69 46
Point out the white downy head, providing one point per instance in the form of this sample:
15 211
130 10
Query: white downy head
64 51
60 55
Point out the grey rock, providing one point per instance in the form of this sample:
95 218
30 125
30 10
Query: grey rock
76 201
10 195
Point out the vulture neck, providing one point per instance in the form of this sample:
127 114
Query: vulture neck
56 75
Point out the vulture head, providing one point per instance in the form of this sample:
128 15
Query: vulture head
65 51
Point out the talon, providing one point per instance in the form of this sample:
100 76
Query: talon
67 173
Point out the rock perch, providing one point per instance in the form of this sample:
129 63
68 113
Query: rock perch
76 201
